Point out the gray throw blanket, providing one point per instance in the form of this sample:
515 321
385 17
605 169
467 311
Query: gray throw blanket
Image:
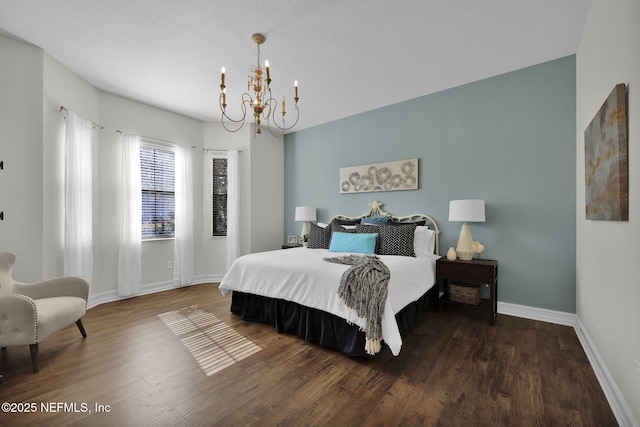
363 287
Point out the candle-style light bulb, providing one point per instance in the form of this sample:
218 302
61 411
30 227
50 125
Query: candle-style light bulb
266 66
222 71
295 86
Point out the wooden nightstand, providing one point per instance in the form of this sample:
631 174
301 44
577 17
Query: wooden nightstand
482 271
291 245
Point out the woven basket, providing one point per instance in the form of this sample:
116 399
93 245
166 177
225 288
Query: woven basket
465 293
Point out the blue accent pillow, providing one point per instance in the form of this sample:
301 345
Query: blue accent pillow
368 228
361 243
375 220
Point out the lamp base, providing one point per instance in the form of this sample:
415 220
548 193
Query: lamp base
305 229
465 248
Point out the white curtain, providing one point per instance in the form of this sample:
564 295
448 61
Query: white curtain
78 231
183 242
130 256
233 207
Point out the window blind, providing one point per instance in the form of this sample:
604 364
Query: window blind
157 170
219 221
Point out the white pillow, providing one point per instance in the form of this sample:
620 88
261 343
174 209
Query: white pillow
424 241
322 224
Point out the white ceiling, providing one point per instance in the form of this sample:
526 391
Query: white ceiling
349 56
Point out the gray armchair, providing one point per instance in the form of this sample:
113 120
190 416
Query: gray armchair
30 312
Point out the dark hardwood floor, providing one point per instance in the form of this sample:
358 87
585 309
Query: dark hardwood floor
133 369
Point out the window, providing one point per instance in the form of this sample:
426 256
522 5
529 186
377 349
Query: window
157 169
219 199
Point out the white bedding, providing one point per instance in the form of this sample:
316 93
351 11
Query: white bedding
301 275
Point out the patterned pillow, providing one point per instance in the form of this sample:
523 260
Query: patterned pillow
364 228
397 239
319 237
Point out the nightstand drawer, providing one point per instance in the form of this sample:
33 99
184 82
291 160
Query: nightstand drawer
468 272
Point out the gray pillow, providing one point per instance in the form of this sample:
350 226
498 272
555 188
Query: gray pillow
397 239
319 237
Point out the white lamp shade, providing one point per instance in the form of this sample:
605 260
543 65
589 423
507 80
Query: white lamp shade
305 213
469 210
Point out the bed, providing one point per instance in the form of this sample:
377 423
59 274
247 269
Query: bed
296 290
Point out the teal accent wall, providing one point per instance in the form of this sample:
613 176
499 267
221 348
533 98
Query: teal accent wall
509 140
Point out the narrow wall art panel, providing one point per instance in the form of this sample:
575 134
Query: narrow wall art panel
606 164
388 176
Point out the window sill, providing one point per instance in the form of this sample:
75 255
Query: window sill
157 239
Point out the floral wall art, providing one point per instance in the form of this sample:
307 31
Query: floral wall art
388 176
606 164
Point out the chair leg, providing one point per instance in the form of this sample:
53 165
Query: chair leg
34 357
81 327
34 348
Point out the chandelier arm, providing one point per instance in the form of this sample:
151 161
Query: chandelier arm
244 113
228 129
270 117
224 111
280 128
242 105
273 110
284 127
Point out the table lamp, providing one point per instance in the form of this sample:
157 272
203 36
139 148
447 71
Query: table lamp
306 214
469 210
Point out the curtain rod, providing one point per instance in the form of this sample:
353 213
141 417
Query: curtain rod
219 149
95 125
160 139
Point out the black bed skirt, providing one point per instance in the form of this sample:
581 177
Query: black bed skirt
318 326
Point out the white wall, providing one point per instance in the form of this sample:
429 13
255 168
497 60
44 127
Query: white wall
21 180
33 86
608 271
267 188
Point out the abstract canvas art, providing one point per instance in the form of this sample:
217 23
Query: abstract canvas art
606 165
388 176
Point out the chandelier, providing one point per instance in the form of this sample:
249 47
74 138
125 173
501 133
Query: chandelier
262 102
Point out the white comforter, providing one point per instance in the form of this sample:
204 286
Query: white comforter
301 275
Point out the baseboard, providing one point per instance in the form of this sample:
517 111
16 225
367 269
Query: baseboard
616 400
534 313
105 297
